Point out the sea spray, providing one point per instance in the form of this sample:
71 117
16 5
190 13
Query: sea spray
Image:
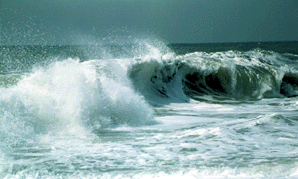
69 97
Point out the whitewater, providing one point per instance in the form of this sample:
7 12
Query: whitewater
149 110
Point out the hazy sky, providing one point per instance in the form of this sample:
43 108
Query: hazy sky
172 21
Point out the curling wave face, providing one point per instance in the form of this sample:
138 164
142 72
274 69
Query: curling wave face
240 75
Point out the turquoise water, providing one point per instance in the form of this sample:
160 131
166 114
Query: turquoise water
149 110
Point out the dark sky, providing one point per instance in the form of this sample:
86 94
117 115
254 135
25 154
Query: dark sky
172 21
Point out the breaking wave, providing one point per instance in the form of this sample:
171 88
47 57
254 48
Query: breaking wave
239 75
69 97
75 97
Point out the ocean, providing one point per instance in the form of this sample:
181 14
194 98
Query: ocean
149 110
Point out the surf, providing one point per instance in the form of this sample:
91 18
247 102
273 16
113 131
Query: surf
106 111
73 95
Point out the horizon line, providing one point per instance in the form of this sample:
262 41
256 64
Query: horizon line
173 43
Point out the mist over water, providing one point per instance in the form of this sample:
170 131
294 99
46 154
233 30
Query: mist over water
148 110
